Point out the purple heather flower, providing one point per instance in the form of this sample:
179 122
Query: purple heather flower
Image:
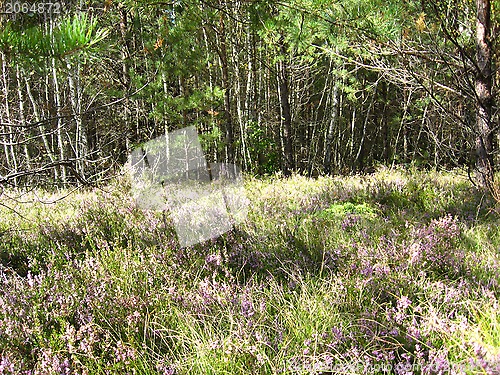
403 303
247 308
214 259
368 271
124 353
6 366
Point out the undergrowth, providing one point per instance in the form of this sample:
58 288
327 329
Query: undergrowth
390 273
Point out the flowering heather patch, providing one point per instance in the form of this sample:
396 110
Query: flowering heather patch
392 273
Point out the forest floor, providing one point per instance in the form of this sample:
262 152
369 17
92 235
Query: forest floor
392 273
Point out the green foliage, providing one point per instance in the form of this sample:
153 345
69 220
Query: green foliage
262 149
211 139
73 34
339 210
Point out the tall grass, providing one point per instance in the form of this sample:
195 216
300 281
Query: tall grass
395 272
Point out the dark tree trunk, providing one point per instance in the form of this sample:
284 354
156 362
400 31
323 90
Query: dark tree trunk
484 136
327 164
286 116
227 94
126 82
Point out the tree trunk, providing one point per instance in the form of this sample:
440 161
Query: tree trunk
360 154
227 94
352 139
41 128
251 93
11 152
484 136
6 130
22 118
286 117
126 81
59 132
239 94
81 142
58 104
327 165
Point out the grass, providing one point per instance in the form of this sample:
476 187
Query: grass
395 272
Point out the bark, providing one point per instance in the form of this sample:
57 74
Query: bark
286 117
384 125
61 144
22 117
361 150
484 137
5 117
183 93
239 93
125 77
229 131
251 90
10 152
402 126
81 142
58 103
41 128
351 139
211 79
327 165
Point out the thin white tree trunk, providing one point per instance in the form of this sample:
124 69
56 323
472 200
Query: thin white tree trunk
240 106
41 128
22 118
5 128
10 139
81 143
57 100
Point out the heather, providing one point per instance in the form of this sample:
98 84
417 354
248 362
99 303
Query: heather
391 273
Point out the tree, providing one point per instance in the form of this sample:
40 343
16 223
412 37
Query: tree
485 100
54 49
311 86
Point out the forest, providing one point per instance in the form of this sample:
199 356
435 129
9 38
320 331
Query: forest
360 227
313 87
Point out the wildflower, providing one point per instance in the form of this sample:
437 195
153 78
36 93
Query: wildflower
438 363
124 353
398 318
214 259
349 222
214 345
133 318
403 303
415 251
247 308
165 369
337 334
367 270
260 358
6 366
